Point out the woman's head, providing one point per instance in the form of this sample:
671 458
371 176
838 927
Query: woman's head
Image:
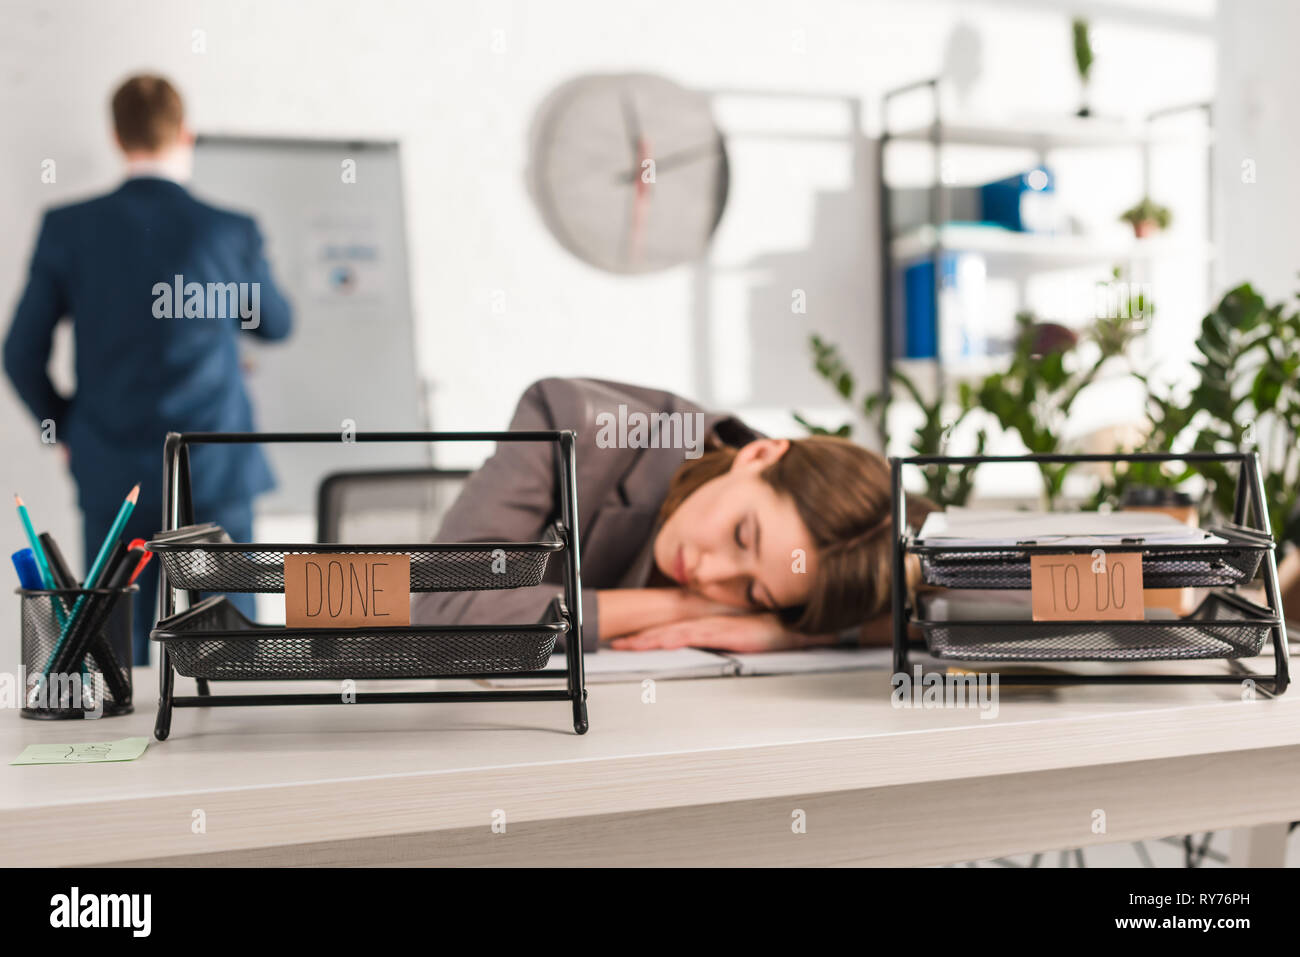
800 527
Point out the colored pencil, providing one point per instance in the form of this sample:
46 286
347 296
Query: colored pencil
100 647
93 577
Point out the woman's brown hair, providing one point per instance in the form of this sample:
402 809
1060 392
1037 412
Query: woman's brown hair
842 493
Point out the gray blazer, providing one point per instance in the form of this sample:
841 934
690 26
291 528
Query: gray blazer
512 497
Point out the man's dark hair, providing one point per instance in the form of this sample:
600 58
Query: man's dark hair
147 113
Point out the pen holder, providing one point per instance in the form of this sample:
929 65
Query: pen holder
101 628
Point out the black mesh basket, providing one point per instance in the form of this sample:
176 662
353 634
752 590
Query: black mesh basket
107 675
213 640
1235 562
1219 628
203 558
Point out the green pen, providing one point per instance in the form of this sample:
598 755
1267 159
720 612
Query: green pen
42 563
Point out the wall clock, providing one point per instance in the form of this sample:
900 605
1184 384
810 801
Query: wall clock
629 171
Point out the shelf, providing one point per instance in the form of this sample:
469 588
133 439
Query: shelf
1009 245
1054 133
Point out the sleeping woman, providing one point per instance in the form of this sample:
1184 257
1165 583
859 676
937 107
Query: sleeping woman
739 542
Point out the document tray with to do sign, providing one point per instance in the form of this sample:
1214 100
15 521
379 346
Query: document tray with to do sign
209 640
971 551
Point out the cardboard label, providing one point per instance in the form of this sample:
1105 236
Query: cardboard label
1101 585
339 590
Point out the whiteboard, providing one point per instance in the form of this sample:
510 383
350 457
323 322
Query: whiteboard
331 215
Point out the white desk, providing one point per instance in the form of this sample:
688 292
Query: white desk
712 772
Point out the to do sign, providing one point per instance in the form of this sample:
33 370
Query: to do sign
1105 586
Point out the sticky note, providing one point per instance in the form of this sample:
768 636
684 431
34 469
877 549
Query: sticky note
125 749
338 590
1100 585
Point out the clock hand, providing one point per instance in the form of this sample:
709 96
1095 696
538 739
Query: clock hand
641 193
630 122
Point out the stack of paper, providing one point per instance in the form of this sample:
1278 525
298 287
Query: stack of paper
1001 527
961 604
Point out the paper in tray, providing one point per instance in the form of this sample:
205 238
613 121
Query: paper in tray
1232 558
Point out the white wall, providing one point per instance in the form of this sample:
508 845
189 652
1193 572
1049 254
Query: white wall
800 215
1259 127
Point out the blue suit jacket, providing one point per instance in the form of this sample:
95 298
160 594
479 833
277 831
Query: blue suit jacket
105 263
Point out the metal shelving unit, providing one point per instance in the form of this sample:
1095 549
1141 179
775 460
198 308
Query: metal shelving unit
938 235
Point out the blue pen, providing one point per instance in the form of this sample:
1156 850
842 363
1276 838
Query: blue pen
29 577
29 573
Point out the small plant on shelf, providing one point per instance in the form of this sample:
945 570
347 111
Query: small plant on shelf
1082 60
1147 218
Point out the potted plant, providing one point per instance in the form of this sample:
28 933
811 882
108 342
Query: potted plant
1033 396
1247 397
1249 385
944 485
1082 61
1147 218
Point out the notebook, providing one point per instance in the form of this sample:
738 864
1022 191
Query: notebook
814 660
607 665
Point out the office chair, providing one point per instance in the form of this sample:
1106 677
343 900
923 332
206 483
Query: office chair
385 505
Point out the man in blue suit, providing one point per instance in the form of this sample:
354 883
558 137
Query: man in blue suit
158 286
